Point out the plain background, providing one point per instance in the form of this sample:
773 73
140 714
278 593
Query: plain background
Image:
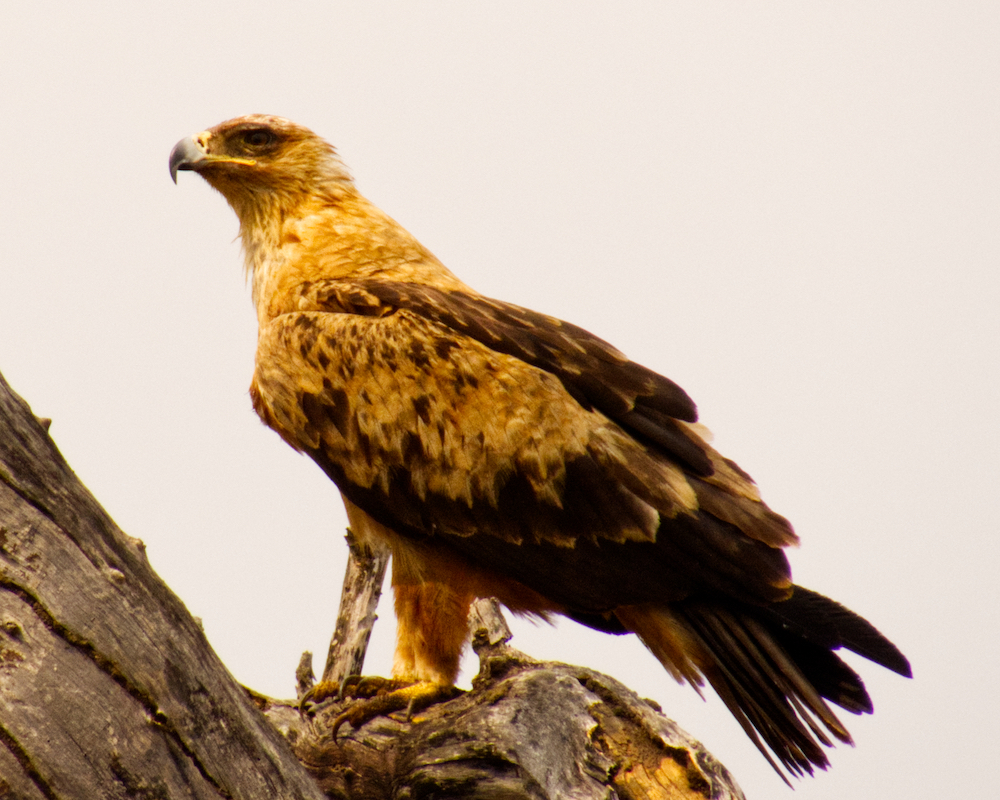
791 208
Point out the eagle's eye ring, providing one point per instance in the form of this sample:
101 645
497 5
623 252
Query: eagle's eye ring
259 137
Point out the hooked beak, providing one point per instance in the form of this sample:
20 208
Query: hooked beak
187 154
190 153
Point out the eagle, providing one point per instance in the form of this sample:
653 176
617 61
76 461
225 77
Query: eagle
500 452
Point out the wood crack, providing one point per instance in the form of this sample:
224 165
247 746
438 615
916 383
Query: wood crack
107 666
27 766
25 495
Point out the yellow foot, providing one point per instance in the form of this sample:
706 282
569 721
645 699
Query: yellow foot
379 697
320 691
351 686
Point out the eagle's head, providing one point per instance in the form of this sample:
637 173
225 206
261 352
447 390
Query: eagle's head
259 159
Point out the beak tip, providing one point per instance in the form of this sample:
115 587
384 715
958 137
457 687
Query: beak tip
187 154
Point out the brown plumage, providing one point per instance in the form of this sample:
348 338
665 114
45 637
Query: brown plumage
500 452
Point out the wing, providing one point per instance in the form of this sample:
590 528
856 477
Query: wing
651 408
453 429
594 372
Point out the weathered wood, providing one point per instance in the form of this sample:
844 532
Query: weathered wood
487 621
108 687
534 730
358 600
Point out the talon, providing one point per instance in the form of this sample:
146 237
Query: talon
318 693
336 725
348 685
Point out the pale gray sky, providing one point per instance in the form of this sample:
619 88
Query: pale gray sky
790 208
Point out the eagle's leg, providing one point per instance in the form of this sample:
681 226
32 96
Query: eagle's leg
432 620
432 628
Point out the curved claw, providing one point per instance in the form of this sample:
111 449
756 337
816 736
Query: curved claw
340 720
348 685
323 690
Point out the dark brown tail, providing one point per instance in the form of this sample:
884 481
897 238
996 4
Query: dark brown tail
773 667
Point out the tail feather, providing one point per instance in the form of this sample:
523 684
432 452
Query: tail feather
773 667
826 622
767 693
828 674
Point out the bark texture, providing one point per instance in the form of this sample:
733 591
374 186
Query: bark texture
108 688
358 601
528 729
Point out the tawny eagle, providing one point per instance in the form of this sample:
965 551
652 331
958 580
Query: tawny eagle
499 452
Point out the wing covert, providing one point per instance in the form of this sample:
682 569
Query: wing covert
593 372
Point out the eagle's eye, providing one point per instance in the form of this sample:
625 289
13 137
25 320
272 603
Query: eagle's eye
259 137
